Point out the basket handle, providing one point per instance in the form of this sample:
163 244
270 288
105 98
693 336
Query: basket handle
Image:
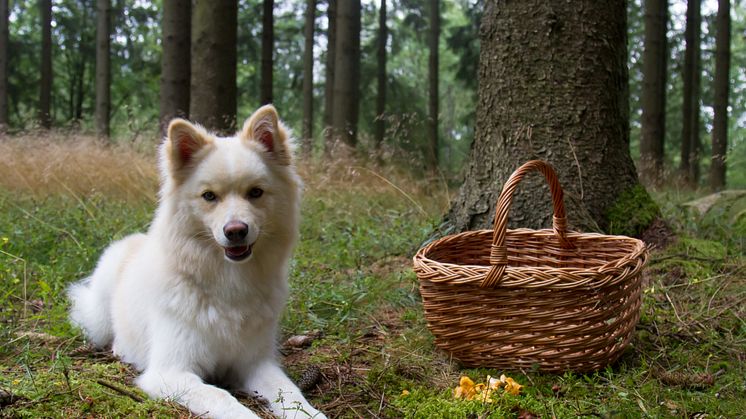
499 251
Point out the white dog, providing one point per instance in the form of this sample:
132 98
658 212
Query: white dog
196 301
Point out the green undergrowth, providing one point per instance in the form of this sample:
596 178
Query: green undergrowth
353 291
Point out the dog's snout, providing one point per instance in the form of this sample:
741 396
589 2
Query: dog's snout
235 230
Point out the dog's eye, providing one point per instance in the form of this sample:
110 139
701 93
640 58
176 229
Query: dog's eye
209 196
255 193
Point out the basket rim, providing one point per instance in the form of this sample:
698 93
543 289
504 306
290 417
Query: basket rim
607 274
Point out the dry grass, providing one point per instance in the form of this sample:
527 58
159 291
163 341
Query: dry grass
42 164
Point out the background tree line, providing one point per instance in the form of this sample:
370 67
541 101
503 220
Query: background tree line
405 53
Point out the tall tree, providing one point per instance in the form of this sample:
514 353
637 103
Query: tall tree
103 64
213 57
690 142
268 46
331 44
380 123
347 72
308 76
45 86
654 72
720 106
175 64
433 78
552 86
4 43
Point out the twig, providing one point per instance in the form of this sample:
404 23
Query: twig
674 309
120 390
419 207
580 174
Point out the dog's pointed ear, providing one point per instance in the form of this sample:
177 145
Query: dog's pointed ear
184 143
264 128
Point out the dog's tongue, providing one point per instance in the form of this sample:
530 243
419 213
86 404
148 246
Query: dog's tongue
236 251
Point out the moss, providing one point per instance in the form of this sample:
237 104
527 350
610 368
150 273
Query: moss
632 212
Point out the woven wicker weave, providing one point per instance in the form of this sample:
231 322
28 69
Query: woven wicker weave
520 299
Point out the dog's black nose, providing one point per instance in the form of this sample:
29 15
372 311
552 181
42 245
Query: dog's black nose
235 230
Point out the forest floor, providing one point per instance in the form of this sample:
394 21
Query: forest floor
366 350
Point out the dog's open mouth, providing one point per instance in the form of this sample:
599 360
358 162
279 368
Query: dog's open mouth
238 253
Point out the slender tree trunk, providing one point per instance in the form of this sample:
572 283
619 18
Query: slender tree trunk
432 76
308 77
175 65
4 42
653 129
690 108
347 72
553 86
268 46
380 123
103 63
45 86
720 106
213 57
331 40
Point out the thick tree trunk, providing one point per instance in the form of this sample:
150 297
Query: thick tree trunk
347 72
432 79
45 86
552 86
175 66
213 58
4 42
308 77
268 46
654 91
380 123
720 106
331 40
103 64
689 165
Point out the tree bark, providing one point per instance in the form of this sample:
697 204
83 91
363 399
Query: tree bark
720 105
347 72
308 77
432 77
175 66
690 143
268 46
552 86
103 64
4 43
653 130
380 123
213 58
45 86
331 39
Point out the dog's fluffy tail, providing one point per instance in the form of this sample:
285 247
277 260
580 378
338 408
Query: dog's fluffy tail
91 297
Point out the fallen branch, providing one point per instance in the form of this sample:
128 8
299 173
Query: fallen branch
122 391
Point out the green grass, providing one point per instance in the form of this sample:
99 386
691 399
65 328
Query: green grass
352 286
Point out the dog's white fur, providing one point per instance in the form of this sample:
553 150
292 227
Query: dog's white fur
172 303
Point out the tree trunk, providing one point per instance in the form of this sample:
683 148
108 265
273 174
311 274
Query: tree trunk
380 123
552 86
268 46
653 130
347 72
689 166
103 63
331 40
4 42
45 86
720 105
432 78
213 58
308 77
175 65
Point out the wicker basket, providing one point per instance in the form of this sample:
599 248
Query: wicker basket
521 299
